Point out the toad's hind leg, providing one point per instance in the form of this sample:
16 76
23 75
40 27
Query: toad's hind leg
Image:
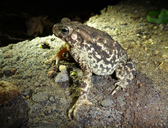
86 85
125 73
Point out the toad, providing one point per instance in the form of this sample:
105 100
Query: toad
96 52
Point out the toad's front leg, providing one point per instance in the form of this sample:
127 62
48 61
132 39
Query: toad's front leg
59 55
86 85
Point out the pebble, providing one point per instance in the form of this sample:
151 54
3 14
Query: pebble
26 92
7 72
62 76
79 73
51 99
161 26
40 97
36 108
51 73
165 55
13 71
106 102
62 67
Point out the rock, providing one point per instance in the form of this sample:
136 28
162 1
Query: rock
8 91
62 76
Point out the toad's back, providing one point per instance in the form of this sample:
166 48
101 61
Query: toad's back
97 49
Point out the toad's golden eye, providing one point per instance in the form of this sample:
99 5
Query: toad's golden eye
65 30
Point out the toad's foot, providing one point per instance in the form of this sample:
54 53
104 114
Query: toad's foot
73 110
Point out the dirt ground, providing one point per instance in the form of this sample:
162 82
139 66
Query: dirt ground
44 103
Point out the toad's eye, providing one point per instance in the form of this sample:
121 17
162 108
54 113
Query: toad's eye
65 30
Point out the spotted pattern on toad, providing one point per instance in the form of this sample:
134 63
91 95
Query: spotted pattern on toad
96 52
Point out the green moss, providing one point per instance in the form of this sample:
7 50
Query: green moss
158 17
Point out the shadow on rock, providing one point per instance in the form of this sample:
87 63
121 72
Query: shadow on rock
14 113
139 105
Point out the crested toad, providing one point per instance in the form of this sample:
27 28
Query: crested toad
96 52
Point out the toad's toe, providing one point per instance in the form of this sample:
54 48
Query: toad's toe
72 112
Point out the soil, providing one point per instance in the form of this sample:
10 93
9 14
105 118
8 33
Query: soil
44 103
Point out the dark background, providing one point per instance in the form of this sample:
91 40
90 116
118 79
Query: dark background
18 16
